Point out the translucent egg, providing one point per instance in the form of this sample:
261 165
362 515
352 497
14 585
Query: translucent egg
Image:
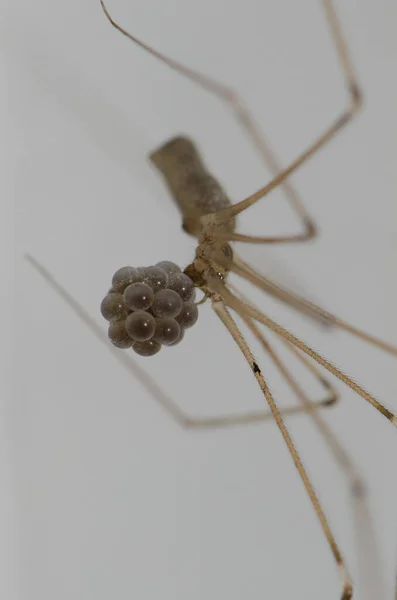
138 296
118 335
166 303
140 325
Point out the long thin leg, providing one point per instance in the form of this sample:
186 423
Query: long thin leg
247 272
244 117
182 418
147 382
371 581
238 266
228 321
370 569
244 309
248 418
233 236
307 364
186 421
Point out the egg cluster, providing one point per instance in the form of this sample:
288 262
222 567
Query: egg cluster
149 307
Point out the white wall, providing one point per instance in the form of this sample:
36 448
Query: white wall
110 499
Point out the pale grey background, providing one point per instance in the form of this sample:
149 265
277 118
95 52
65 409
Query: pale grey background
109 499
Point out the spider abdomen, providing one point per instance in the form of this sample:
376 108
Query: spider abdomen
194 189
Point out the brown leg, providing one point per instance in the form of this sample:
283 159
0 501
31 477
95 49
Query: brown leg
245 271
244 117
370 570
149 384
248 418
185 421
229 323
367 550
245 309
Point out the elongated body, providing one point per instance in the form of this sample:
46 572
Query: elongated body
192 186
150 307
208 215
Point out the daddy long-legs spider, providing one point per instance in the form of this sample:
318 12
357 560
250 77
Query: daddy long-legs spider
253 570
